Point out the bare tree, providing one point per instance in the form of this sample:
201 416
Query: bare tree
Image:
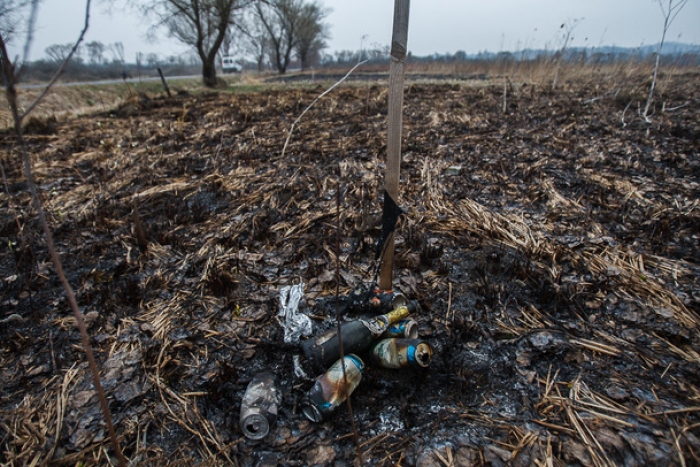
669 10
312 33
59 52
292 26
95 51
233 44
117 51
256 43
152 60
228 43
280 19
201 24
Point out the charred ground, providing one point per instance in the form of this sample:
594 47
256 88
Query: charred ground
555 252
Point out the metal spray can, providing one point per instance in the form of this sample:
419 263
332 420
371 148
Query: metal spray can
259 406
357 336
403 328
375 300
330 390
387 300
401 353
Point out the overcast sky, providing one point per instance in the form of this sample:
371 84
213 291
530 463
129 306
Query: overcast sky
434 26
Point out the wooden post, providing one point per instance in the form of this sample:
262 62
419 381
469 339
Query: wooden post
165 83
397 69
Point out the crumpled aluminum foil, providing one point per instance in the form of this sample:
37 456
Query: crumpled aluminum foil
295 324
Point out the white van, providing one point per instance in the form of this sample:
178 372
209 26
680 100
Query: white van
229 65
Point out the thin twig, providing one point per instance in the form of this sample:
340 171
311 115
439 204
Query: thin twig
30 30
623 114
11 91
356 436
449 302
671 109
59 72
675 411
291 130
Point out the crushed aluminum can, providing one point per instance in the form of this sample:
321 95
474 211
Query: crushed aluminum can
357 336
259 406
330 390
404 328
401 353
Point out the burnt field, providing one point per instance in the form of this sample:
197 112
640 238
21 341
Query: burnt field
554 248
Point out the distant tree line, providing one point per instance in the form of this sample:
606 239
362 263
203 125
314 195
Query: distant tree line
99 61
681 55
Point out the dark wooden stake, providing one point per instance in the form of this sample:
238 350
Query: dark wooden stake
165 83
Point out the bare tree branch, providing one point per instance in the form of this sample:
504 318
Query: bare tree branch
282 20
669 15
59 72
291 130
30 30
11 77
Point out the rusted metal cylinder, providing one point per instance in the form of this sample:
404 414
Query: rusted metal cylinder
357 336
330 389
259 406
403 328
401 353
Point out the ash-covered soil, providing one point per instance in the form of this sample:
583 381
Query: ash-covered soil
554 249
